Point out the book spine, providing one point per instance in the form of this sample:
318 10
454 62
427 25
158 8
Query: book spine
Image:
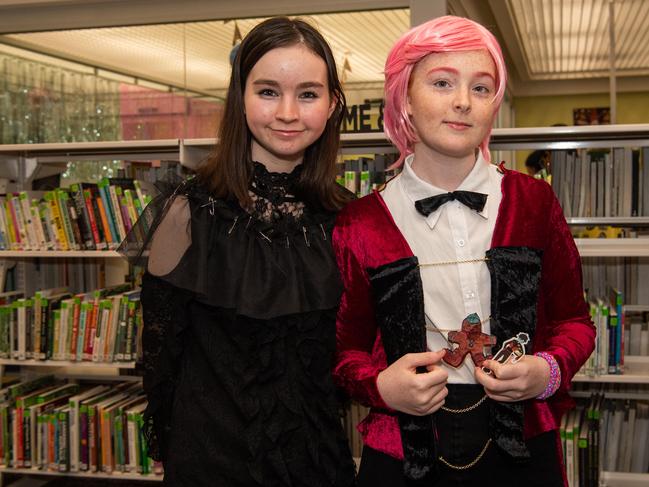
108 232
64 434
74 334
105 200
116 211
83 438
97 235
62 205
24 208
76 192
57 219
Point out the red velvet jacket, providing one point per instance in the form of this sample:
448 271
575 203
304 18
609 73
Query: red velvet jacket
530 218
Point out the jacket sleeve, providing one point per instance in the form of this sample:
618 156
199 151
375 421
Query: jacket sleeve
164 321
356 368
571 337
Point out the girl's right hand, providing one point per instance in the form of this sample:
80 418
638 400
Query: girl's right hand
405 390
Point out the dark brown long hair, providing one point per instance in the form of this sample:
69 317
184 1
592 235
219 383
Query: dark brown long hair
228 170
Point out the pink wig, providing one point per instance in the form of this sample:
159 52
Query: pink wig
443 34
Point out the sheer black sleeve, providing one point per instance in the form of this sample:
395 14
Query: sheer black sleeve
163 308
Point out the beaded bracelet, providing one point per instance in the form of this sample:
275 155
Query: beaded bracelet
555 375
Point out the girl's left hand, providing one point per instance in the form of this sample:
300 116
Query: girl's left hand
525 379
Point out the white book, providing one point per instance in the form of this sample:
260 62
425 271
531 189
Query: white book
100 339
113 327
640 435
133 438
66 306
602 338
614 437
38 227
26 211
570 456
627 188
624 464
608 184
635 330
644 341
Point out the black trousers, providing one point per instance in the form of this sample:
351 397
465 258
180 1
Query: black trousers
461 439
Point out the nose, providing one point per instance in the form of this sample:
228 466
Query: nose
462 101
287 110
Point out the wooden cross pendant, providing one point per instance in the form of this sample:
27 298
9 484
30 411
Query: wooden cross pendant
469 339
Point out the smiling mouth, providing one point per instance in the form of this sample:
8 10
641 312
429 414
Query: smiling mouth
287 133
457 125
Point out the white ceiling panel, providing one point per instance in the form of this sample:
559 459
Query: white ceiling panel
568 39
196 55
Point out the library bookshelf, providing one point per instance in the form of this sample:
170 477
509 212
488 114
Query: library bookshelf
20 162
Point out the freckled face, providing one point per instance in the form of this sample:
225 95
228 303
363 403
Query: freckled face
287 104
450 101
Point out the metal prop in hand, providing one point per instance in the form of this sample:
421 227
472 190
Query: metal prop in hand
469 340
511 351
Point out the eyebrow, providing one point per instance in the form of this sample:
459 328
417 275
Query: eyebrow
306 84
448 69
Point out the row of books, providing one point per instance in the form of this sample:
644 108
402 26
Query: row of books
46 424
361 175
607 314
605 435
602 183
83 217
104 325
628 274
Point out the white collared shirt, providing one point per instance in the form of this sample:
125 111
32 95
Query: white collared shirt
452 232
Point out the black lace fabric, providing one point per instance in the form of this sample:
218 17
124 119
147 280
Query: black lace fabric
239 336
272 197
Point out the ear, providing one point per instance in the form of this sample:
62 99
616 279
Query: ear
408 105
332 106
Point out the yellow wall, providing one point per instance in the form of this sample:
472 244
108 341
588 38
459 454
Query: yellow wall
544 111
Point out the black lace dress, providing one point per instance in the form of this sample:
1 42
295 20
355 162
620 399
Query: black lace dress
239 336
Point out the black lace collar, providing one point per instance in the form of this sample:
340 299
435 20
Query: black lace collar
274 186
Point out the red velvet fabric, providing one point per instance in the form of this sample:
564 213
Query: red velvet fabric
529 215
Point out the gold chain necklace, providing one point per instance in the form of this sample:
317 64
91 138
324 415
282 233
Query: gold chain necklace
448 262
466 409
468 465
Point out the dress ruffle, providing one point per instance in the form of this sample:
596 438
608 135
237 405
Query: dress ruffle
236 261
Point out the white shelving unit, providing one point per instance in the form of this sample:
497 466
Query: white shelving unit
624 479
613 247
87 475
29 254
636 371
67 363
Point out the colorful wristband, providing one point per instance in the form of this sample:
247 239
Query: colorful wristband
555 375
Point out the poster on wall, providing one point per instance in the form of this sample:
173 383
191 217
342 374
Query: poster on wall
591 116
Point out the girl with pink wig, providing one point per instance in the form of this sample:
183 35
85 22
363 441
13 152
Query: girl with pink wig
453 260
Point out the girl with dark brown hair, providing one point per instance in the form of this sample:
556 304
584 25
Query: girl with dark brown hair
241 289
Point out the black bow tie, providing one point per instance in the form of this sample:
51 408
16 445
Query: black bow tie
475 201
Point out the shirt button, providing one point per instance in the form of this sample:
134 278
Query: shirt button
461 242
470 295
